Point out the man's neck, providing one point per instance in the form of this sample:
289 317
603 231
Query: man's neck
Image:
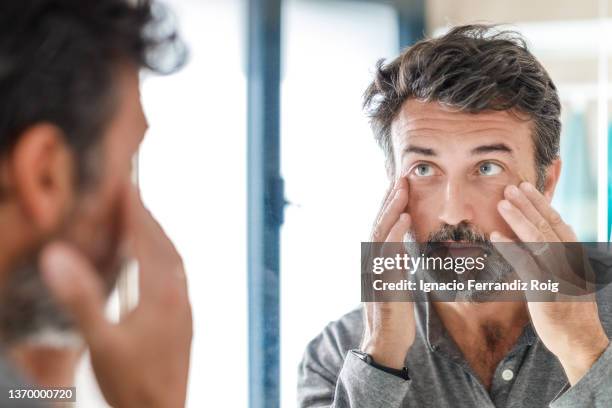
484 332
45 366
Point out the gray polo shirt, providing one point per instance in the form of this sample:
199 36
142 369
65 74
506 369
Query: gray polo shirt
528 376
10 379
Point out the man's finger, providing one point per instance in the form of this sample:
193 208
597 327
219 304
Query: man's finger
399 183
76 287
385 202
144 233
396 206
160 266
520 260
521 226
400 228
563 231
517 197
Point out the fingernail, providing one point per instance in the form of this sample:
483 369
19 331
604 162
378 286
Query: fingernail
527 186
512 191
505 205
495 236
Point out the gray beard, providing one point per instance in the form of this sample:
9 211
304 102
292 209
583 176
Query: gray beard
496 270
28 312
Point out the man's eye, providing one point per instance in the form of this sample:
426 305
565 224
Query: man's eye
424 170
489 169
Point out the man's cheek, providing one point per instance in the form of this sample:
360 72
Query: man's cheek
425 198
489 190
501 226
486 215
97 224
424 210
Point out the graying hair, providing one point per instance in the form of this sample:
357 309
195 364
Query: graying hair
472 68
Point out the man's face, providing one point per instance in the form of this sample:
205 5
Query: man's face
457 165
93 221
96 226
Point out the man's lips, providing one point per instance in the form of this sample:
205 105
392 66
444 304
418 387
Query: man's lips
460 249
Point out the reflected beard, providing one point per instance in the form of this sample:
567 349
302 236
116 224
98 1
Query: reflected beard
441 242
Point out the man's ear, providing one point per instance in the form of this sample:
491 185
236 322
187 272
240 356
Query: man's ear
552 177
41 172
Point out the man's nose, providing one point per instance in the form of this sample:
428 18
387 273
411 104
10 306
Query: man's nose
456 205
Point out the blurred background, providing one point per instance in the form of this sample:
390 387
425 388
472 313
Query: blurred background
267 117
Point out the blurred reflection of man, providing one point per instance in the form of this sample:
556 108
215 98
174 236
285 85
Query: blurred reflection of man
470 126
70 123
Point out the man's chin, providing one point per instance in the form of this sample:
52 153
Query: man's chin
487 296
502 273
29 313
27 308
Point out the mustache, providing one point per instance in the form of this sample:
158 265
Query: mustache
461 232
460 235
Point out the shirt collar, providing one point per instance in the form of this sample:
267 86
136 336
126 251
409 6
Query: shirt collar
437 338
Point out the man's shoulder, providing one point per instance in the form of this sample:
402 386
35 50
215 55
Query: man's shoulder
328 349
601 261
340 335
10 379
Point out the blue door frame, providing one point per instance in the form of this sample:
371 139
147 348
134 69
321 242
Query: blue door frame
265 201
265 190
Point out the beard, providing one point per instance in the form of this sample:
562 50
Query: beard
463 238
28 311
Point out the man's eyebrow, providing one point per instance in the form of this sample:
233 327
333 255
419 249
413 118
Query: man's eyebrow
497 147
425 151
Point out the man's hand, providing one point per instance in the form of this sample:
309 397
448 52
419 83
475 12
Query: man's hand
571 330
390 326
144 360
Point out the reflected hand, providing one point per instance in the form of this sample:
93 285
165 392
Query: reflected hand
570 329
390 326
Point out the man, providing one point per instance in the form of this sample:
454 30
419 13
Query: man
470 126
70 123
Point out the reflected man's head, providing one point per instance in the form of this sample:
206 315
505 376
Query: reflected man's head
70 123
462 116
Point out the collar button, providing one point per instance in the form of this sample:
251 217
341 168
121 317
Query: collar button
507 374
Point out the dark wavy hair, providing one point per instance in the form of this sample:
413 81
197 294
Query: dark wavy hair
472 68
59 59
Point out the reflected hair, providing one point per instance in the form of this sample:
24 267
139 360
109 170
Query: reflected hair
472 68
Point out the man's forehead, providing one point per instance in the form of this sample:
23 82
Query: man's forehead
418 119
